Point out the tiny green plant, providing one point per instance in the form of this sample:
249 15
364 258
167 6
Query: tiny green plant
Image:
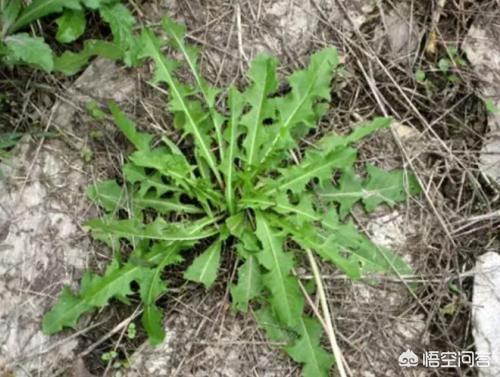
490 106
131 331
19 47
452 59
243 184
420 76
108 356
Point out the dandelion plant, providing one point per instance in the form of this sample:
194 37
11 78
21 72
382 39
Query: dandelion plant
243 184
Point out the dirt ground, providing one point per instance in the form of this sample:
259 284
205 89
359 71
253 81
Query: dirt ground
441 126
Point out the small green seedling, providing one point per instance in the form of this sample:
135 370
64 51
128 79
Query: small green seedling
237 188
490 106
420 76
131 331
452 59
108 356
95 110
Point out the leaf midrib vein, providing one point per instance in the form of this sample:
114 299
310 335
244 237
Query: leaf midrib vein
206 152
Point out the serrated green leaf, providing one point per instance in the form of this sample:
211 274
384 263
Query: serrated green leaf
168 164
236 224
340 255
262 74
157 230
357 248
116 280
275 330
107 194
137 175
177 33
152 287
204 268
152 320
228 165
30 50
298 213
299 109
388 187
173 165
316 165
180 172
346 194
308 351
164 205
70 62
70 26
249 284
139 139
121 23
9 139
110 196
96 290
65 313
41 8
191 111
286 298
359 132
381 187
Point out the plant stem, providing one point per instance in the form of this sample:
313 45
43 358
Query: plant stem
337 353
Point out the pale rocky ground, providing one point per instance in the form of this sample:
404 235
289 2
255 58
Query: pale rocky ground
395 333
42 207
43 245
486 303
483 50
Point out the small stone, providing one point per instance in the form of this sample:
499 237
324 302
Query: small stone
402 31
485 311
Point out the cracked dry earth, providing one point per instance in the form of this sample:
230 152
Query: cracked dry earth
42 244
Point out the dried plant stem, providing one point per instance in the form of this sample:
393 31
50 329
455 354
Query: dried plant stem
327 318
